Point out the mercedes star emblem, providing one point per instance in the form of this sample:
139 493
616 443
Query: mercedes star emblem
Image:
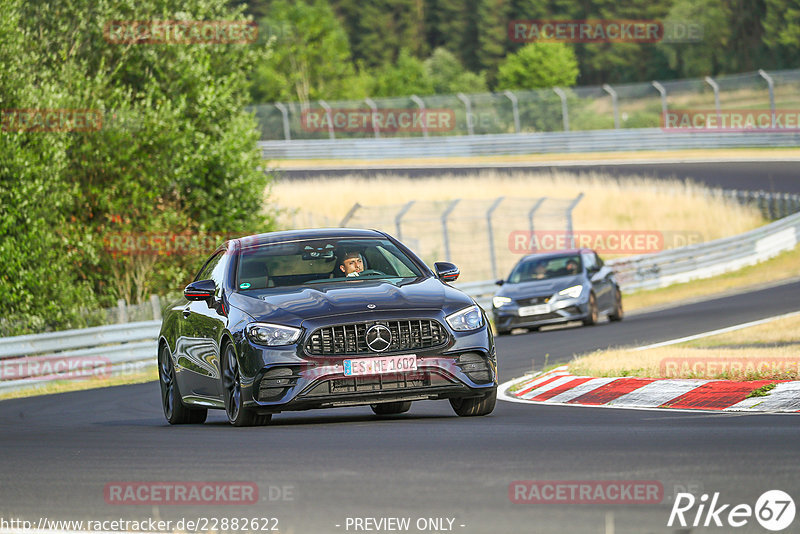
379 338
371 306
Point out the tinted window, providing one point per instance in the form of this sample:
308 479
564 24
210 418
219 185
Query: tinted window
322 260
543 268
208 270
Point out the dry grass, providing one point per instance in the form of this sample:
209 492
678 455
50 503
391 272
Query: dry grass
63 386
744 354
609 203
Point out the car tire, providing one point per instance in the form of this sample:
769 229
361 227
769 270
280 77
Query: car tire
475 406
504 332
391 408
175 411
237 414
591 318
619 312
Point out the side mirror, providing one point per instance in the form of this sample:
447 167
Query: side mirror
499 282
446 271
200 290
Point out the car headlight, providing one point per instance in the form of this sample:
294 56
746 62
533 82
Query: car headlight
571 292
272 335
499 301
467 319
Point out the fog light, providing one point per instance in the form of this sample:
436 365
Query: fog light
275 382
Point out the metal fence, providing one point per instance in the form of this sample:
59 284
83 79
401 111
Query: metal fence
630 106
472 233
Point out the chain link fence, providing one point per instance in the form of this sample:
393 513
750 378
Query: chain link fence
641 105
473 234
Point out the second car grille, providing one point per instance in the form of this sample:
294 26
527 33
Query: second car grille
534 300
409 334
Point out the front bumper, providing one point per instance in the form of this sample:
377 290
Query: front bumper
561 311
288 380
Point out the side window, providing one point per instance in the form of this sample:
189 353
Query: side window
207 272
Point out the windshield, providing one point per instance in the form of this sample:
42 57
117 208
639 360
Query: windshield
322 260
543 268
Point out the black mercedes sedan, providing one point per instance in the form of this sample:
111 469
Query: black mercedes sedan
309 319
556 287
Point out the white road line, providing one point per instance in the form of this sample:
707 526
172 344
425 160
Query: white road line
715 332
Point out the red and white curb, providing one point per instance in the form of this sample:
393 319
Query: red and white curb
559 387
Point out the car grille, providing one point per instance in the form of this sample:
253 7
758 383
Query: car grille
366 384
349 339
534 300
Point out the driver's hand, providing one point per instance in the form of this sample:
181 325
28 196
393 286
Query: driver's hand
354 273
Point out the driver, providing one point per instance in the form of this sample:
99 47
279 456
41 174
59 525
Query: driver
572 267
352 263
540 270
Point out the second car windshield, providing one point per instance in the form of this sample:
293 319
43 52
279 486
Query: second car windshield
321 260
544 268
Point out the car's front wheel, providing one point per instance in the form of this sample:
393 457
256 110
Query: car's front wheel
237 414
475 406
618 313
174 410
391 408
591 318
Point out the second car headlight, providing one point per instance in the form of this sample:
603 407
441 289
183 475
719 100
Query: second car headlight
272 335
499 301
467 319
571 292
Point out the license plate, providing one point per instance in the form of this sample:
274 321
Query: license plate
538 309
381 365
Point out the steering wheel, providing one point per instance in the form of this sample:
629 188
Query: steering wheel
371 271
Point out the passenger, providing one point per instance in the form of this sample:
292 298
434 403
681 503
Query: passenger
572 267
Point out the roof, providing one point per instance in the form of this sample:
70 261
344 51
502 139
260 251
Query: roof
314 233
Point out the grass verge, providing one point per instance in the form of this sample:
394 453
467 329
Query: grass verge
769 351
64 386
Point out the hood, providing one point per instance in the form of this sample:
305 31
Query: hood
539 288
291 306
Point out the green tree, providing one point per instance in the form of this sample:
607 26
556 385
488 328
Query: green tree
407 76
781 25
449 76
308 59
175 152
538 65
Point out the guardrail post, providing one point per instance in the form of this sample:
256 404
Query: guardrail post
570 231
155 303
771 86
399 217
287 136
421 105
514 109
374 108
445 235
564 108
715 86
327 109
468 108
489 212
122 311
663 91
614 102
349 215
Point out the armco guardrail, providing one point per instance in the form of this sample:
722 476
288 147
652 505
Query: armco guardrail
684 264
522 143
28 361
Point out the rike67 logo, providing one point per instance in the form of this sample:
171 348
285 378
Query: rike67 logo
774 510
